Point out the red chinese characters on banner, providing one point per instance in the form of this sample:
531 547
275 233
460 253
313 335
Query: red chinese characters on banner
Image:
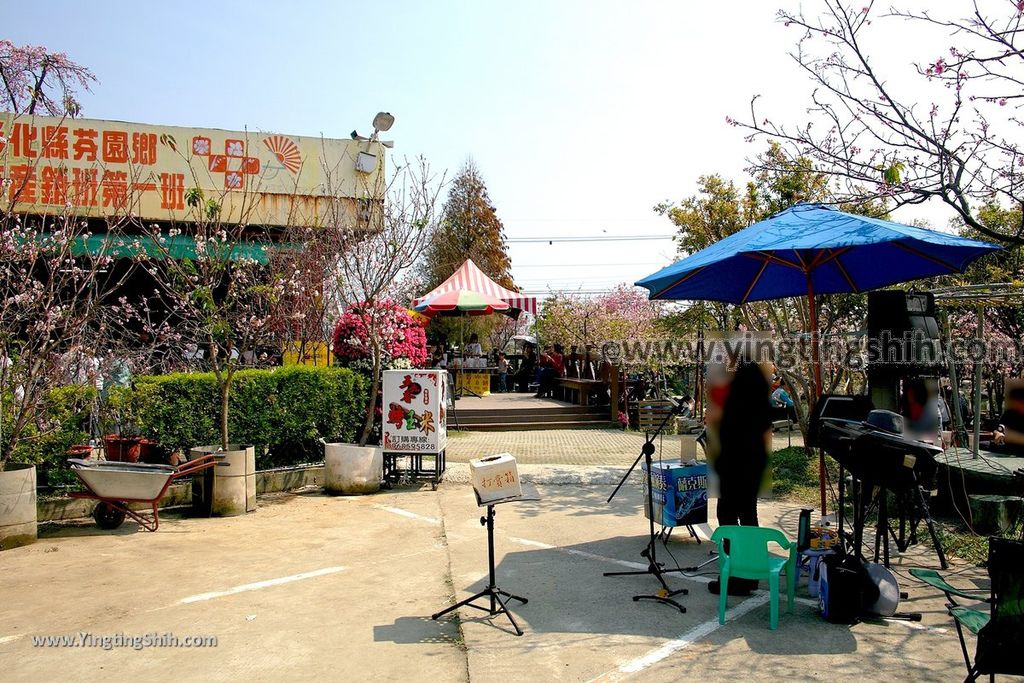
115 146
85 144
96 165
115 189
85 186
55 142
54 186
22 188
172 191
144 148
23 141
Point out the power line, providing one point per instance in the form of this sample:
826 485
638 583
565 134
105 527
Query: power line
586 265
597 238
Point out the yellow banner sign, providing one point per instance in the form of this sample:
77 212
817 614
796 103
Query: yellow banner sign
107 168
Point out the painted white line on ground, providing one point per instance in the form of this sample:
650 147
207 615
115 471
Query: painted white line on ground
693 635
260 585
917 626
11 639
698 578
578 553
406 513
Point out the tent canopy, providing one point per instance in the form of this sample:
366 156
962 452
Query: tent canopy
470 277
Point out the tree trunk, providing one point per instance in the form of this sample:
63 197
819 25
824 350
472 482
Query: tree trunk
225 392
371 402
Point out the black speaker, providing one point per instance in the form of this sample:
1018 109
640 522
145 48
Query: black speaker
903 335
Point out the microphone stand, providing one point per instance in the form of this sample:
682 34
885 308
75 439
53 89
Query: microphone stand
654 568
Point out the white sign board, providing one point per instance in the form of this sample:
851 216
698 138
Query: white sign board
495 478
415 411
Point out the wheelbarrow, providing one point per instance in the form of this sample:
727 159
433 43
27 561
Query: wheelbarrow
117 485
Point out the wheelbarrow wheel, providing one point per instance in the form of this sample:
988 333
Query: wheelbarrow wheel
108 516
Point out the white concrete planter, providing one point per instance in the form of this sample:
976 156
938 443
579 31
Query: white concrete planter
234 485
17 506
350 469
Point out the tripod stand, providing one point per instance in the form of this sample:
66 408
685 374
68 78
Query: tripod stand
654 568
497 605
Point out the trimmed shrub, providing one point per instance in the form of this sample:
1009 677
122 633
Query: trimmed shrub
63 423
283 412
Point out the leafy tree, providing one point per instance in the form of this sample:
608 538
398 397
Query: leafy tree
469 229
224 295
720 209
875 140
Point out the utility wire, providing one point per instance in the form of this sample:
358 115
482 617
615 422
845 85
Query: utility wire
584 238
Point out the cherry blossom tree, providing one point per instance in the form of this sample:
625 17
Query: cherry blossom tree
54 280
947 127
223 295
376 251
587 322
35 77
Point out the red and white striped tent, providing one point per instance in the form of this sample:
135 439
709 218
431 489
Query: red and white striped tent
470 277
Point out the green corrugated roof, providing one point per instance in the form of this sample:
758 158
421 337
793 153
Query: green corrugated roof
176 247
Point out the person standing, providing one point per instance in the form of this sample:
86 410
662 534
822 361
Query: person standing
744 433
473 348
502 373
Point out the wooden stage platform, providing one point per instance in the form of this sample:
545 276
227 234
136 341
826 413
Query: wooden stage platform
987 473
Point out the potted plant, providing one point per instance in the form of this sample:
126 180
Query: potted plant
125 408
373 332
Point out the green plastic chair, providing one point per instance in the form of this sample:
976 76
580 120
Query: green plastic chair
748 558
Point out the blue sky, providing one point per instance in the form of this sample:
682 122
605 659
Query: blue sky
580 115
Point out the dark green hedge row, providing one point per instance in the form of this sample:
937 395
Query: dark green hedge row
283 412
63 423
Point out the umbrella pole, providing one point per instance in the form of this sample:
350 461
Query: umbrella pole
816 366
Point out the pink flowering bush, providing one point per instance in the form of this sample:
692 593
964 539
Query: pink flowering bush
403 343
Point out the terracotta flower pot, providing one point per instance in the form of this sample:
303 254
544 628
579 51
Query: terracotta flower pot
122 448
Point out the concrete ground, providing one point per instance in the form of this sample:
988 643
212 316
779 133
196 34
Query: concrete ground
574 446
342 588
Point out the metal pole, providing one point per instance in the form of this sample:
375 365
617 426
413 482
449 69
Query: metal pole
490 554
977 383
959 428
816 365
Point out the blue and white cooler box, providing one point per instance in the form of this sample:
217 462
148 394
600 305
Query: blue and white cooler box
680 494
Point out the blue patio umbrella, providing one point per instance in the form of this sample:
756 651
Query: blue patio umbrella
811 249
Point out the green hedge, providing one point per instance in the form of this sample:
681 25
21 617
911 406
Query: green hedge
63 423
283 412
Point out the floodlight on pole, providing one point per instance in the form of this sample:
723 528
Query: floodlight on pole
383 121
366 161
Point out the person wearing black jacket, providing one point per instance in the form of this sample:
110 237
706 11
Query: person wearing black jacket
744 429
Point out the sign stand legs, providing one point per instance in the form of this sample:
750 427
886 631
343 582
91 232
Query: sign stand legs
496 603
